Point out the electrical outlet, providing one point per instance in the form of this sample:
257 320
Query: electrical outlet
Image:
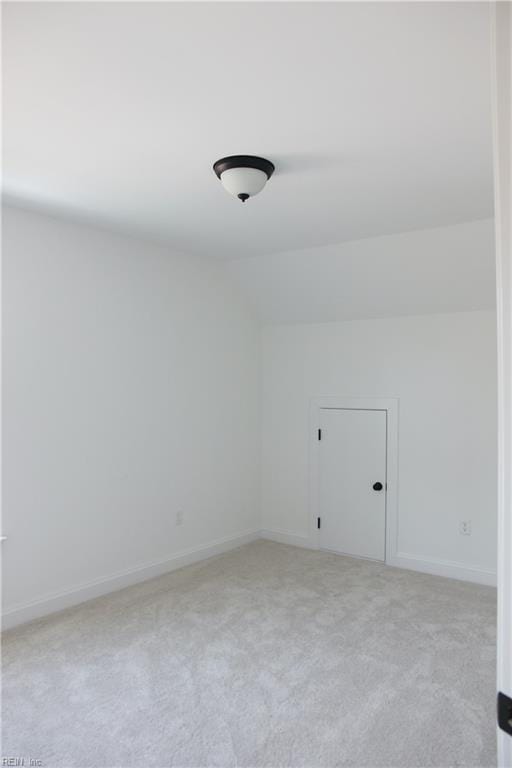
465 527
179 517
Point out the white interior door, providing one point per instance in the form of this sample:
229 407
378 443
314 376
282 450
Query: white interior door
352 482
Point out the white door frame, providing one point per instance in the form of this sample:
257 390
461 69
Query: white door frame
388 404
501 17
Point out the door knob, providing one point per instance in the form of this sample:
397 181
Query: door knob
377 486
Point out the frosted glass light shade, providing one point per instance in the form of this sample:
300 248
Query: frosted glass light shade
243 181
243 176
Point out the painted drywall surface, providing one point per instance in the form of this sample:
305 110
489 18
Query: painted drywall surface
130 393
364 143
443 370
446 269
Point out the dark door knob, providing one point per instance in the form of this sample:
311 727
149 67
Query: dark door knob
377 486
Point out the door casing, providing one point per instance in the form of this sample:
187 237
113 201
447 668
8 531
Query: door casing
388 404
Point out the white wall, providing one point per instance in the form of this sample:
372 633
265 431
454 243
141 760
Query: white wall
132 389
131 385
443 370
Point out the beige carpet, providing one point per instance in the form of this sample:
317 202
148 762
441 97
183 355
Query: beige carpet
266 656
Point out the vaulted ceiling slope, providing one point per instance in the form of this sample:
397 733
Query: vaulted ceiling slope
376 115
446 269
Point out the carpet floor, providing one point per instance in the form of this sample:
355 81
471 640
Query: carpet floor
268 655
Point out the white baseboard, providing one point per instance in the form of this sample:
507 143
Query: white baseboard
435 567
58 601
447 568
284 537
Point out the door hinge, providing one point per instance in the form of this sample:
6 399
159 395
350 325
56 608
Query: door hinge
318 522
505 713
319 434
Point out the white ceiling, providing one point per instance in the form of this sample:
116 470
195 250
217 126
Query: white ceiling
376 115
446 269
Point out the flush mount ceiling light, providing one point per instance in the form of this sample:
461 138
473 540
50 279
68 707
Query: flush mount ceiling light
243 176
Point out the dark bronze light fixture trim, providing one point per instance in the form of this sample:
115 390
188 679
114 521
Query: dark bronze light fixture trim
243 161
